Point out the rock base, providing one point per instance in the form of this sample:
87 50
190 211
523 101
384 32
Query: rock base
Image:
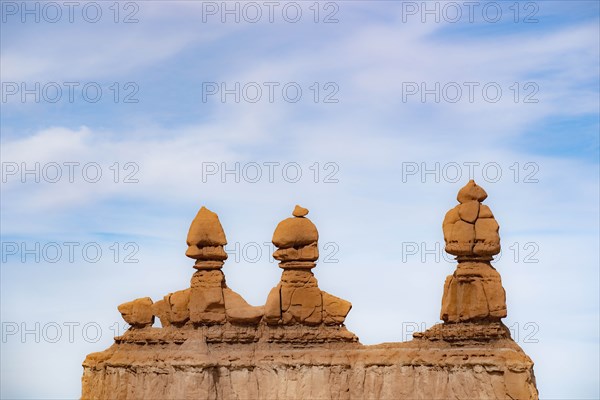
449 361
466 332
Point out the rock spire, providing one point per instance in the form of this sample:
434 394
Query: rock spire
208 300
205 241
474 292
214 345
297 298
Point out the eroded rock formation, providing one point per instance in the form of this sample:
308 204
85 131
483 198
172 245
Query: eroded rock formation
208 300
474 292
214 345
297 299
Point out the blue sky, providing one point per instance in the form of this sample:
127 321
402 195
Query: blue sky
363 148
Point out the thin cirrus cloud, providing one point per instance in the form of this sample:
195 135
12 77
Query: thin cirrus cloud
370 211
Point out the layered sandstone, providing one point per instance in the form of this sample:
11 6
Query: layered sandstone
214 345
259 363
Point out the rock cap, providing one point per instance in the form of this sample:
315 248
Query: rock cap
206 230
300 211
471 191
295 232
470 229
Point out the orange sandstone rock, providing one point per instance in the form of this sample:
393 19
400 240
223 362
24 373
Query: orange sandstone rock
138 313
474 292
469 211
206 230
213 253
205 240
239 311
471 191
178 306
295 232
161 310
297 299
300 211
273 306
307 253
335 309
213 344
470 229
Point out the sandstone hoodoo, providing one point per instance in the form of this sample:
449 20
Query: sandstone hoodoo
206 239
297 299
214 345
474 292
474 301
208 300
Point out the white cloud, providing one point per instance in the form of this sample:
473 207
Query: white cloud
369 213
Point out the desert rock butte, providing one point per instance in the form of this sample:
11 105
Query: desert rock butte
214 345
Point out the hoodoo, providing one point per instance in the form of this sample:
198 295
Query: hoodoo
214 345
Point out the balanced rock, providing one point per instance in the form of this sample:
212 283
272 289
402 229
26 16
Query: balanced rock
474 292
470 230
297 298
138 313
295 232
300 211
206 230
205 240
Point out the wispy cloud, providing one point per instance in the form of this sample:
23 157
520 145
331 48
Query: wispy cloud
377 167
